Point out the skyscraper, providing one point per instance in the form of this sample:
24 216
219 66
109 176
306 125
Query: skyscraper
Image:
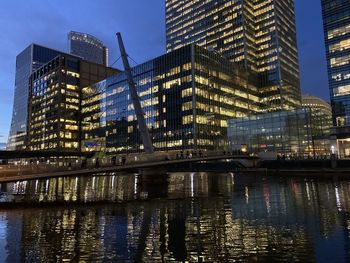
54 102
87 47
187 96
257 34
336 20
30 59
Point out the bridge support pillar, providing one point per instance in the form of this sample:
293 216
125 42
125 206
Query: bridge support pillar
158 171
154 182
333 161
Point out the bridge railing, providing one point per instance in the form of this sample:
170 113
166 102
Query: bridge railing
36 168
81 164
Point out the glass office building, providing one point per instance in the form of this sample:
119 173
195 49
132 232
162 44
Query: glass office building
336 20
283 132
187 96
304 131
321 121
321 114
30 59
257 34
87 47
55 100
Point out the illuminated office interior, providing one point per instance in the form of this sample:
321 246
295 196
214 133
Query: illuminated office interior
187 96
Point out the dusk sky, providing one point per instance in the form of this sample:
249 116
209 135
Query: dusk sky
142 23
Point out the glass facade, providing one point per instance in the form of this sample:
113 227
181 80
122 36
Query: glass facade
321 120
321 114
30 59
283 132
187 96
87 47
54 106
258 34
336 21
336 18
55 99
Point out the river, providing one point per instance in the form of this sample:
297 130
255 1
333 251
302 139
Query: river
192 217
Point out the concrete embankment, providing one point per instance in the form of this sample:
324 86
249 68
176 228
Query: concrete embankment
308 167
298 168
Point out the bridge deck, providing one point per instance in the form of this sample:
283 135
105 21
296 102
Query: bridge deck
7 155
118 168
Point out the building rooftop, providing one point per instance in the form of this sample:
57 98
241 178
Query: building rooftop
310 100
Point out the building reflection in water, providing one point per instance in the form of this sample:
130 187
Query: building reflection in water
198 217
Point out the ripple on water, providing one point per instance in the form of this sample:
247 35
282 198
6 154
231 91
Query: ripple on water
194 217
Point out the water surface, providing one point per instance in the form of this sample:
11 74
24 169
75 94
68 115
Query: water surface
193 217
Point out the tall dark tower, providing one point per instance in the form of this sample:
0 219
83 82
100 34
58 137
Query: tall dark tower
30 59
258 34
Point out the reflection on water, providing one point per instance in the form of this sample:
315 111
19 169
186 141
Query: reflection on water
185 217
114 188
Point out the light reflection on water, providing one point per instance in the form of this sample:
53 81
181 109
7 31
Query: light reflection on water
194 217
